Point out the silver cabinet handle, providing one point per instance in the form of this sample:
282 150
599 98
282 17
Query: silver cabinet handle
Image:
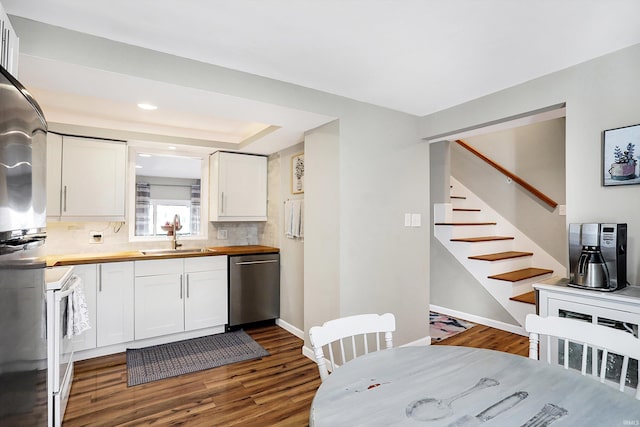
257 262
64 198
187 286
181 286
100 277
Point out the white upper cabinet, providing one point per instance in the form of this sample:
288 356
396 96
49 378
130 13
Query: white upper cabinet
85 178
9 45
54 175
238 184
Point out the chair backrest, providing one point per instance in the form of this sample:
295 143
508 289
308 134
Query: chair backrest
342 332
589 335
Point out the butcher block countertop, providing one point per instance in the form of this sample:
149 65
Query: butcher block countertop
75 259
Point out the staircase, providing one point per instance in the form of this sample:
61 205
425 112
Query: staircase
503 260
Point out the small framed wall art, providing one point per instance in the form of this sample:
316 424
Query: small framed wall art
297 173
620 154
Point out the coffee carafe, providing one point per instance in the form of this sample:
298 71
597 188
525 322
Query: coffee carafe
598 256
591 271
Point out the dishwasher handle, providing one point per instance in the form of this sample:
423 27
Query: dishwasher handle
270 261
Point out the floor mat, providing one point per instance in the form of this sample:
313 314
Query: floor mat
442 327
169 360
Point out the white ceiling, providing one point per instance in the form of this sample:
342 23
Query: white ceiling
416 56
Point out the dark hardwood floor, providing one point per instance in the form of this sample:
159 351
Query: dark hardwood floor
274 391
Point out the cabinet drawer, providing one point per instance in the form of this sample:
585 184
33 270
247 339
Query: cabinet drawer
205 263
158 266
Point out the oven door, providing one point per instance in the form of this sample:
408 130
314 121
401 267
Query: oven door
63 351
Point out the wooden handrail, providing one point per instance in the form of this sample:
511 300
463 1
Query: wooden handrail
524 184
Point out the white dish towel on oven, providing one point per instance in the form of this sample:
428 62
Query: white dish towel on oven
77 313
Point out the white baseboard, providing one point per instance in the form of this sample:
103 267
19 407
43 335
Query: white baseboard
419 342
290 328
481 320
308 352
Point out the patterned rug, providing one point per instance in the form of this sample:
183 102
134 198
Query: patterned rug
182 357
442 327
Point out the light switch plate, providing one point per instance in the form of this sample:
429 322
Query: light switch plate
222 235
416 220
407 220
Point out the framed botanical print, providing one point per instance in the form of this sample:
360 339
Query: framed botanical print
619 156
297 173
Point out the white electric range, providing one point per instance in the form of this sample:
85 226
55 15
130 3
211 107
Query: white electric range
60 284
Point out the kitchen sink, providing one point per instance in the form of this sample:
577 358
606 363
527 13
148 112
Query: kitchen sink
174 251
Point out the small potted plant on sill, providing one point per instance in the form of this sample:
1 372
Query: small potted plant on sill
625 165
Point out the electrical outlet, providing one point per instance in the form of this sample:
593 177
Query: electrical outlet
96 237
222 234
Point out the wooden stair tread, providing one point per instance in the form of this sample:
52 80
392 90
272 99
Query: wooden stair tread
528 298
465 210
517 275
457 197
501 255
465 223
481 239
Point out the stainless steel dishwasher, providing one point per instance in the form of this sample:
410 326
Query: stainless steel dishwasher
254 288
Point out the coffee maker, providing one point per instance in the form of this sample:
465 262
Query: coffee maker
598 256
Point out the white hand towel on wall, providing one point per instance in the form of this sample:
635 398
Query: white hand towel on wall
294 219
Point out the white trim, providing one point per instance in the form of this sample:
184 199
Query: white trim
481 320
419 342
308 352
291 329
544 114
163 339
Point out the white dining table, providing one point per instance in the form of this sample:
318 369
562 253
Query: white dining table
461 386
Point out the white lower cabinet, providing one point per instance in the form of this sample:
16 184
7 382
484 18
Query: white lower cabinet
108 290
115 303
177 295
617 310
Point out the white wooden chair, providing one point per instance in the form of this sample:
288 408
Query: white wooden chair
345 330
607 339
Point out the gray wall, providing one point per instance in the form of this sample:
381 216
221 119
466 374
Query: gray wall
378 169
535 153
600 94
291 250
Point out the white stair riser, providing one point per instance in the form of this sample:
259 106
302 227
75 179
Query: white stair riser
468 216
524 286
498 267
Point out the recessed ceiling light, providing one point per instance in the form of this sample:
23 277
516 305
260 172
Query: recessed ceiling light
144 155
138 167
146 106
171 147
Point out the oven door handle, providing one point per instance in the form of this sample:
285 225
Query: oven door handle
72 287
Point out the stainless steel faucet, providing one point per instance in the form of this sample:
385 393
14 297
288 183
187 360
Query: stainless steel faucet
174 237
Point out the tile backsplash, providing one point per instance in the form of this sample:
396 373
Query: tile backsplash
74 237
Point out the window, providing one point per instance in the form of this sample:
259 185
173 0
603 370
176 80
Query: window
163 186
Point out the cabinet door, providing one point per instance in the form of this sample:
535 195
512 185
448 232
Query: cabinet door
54 175
242 187
159 305
614 318
206 299
115 303
93 178
88 274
